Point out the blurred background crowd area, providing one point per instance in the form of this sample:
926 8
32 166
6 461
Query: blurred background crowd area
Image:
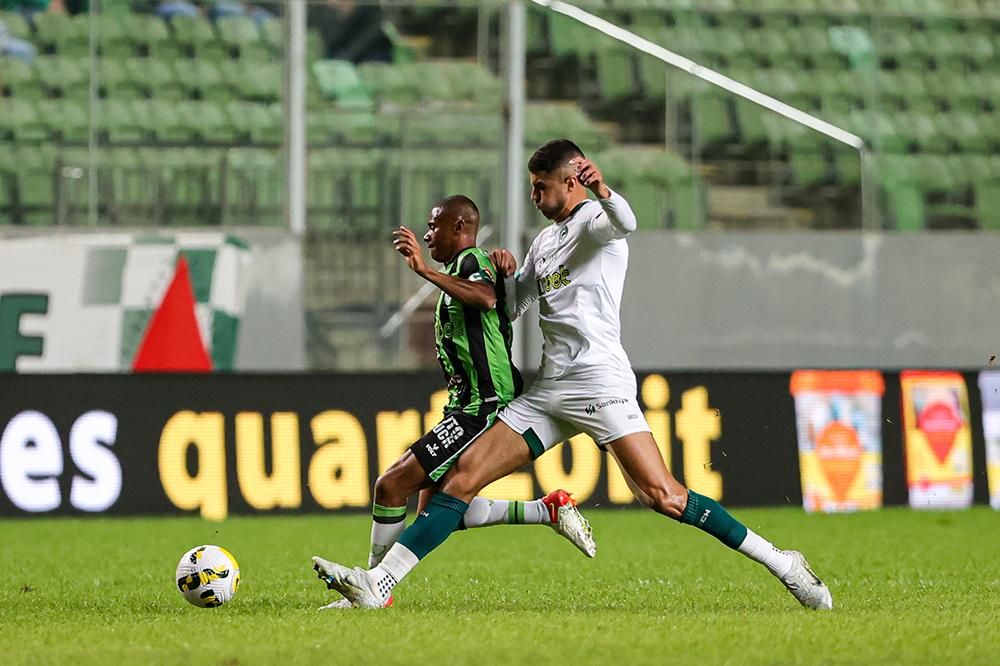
169 114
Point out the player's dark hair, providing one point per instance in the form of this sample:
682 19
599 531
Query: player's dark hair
552 155
462 206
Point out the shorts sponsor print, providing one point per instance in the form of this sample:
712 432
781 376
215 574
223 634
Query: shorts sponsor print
438 450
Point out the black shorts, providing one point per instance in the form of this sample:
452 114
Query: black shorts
438 450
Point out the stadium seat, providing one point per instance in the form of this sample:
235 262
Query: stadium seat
16 25
150 37
209 80
63 34
338 80
35 179
348 125
240 35
157 78
616 74
165 121
117 120
116 81
253 191
63 75
21 121
68 120
197 38
113 37
256 81
21 79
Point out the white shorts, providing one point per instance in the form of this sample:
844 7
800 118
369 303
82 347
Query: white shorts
554 410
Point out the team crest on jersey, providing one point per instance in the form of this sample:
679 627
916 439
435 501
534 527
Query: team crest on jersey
563 232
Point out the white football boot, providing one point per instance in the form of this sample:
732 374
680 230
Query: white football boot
569 522
337 605
806 585
355 584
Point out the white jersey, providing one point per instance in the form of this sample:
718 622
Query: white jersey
576 269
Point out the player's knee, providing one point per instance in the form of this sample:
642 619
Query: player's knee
461 485
666 500
388 488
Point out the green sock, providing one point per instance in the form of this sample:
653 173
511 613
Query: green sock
434 524
709 516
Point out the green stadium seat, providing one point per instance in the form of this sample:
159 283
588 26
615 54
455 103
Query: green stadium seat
21 121
240 35
474 84
66 35
36 183
150 36
616 74
116 81
987 197
64 75
197 38
389 84
208 120
752 129
16 25
711 120
344 193
261 123
342 126
119 122
922 128
963 129
21 79
156 78
255 81
68 120
253 190
165 121
338 80
210 80
808 166
847 166
113 37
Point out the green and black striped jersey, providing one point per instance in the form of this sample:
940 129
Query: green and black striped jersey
473 346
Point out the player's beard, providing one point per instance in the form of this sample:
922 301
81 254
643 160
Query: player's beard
550 212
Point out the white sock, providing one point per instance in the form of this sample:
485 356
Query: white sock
384 535
484 512
759 549
394 566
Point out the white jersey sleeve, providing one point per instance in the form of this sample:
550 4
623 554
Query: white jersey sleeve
521 289
615 221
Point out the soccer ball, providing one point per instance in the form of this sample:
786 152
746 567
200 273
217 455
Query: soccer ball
208 576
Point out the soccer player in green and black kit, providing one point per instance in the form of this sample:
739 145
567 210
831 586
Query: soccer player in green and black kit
473 340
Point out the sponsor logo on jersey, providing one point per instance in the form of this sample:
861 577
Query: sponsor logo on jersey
553 281
593 407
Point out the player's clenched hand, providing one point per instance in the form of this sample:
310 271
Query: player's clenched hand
405 242
504 261
590 177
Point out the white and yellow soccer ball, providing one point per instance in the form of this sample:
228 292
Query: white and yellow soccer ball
208 576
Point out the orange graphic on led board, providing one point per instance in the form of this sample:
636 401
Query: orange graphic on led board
937 439
838 422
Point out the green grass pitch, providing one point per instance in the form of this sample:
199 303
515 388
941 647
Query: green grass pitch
909 587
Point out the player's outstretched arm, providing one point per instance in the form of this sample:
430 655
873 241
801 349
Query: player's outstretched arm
480 295
618 220
519 286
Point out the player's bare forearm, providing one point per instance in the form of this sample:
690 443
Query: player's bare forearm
479 295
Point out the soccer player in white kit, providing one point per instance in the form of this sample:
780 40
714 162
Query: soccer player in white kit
576 269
